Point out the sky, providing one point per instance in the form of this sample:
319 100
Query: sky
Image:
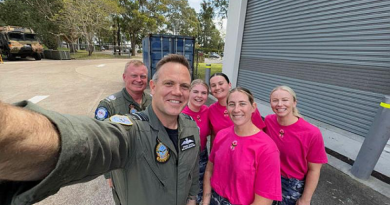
195 4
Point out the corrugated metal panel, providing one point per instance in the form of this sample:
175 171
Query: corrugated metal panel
334 54
350 32
349 109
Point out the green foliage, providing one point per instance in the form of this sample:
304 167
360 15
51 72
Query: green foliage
140 18
222 7
209 37
33 14
181 19
109 20
84 55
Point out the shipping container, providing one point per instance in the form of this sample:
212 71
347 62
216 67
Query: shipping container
156 46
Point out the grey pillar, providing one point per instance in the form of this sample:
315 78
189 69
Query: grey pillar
207 74
374 143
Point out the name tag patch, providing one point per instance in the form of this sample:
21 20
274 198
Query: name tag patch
187 143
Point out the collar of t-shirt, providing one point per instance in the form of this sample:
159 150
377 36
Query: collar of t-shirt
173 135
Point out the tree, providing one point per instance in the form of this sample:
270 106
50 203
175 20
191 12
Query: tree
222 7
141 18
209 36
35 14
87 17
181 19
68 22
42 13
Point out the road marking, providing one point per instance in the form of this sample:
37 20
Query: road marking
101 65
37 98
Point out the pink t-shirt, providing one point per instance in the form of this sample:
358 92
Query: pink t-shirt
244 166
298 144
202 120
219 118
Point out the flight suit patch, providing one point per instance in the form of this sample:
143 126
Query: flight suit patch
187 143
101 113
124 120
162 152
132 109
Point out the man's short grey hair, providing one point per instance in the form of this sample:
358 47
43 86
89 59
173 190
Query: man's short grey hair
133 62
171 58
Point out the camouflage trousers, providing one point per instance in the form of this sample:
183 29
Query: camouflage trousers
203 159
216 199
292 190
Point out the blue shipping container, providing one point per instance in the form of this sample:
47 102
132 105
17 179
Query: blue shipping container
156 46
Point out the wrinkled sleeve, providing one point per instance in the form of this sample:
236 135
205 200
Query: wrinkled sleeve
89 148
195 179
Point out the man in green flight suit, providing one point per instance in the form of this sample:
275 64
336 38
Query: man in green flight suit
131 99
156 149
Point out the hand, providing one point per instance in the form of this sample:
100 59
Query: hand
301 201
109 181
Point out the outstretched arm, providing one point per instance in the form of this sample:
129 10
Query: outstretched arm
29 144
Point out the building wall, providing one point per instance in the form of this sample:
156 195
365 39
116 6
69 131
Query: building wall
334 54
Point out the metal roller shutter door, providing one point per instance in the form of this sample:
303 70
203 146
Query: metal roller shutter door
334 54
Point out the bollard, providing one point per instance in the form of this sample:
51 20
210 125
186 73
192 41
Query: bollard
207 74
374 143
1 58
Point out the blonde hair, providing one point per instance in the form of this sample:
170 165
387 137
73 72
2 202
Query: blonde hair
199 82
135 63
292 93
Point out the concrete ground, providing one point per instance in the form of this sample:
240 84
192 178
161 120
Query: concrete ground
76 87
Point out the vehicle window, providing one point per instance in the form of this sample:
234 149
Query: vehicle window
30 37
15 36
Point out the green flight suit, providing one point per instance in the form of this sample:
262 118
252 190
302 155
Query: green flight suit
120 103
91 147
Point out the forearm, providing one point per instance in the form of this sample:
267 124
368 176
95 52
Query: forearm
259 200
311 183
206 184
29 144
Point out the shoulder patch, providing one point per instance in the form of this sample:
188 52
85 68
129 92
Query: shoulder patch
111 97
121 119
188 117
101 113
140 116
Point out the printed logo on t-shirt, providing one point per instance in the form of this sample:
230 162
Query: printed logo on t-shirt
187 143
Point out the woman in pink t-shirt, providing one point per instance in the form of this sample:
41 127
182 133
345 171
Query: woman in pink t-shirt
301 146
244 164
218 114
195 108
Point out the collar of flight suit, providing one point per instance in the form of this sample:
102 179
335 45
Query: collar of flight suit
156 125
128 97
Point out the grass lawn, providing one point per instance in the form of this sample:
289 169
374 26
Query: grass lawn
83 55
215 68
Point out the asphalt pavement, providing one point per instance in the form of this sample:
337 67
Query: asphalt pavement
76 87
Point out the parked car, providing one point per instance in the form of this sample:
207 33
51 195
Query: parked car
214 55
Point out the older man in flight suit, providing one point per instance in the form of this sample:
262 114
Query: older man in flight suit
131 99
157 149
